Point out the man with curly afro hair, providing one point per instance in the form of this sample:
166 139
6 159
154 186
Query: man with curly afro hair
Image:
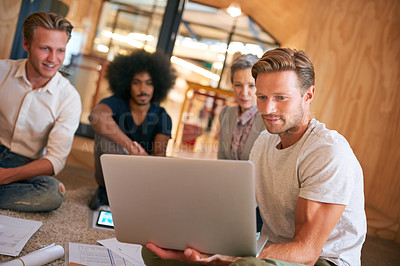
131 121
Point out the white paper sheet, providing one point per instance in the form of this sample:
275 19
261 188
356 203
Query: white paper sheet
14 233
130 252
94 255
38 257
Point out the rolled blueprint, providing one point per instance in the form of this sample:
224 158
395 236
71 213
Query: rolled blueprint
38 257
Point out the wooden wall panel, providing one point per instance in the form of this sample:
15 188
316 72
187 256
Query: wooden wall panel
9 12
356 51
280 18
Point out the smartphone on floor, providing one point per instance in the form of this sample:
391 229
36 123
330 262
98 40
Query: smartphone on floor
105 219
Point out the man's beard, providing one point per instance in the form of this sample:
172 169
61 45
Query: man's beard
140 102
288 123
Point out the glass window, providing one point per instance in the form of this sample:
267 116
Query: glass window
122 26
125 25
207 40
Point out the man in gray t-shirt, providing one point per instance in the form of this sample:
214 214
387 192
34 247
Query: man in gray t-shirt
309 184
319 167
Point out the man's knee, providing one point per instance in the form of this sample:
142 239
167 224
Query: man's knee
61 189
52 196
250 261
58 197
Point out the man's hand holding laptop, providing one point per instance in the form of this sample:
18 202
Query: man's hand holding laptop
190 255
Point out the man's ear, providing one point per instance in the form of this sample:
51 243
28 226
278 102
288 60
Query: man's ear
309 95
25 44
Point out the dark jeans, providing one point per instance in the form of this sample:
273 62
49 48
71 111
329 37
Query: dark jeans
37 194
103 145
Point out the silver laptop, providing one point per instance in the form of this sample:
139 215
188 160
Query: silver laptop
176 203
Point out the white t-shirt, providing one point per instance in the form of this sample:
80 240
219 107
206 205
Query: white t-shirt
321 167
37 123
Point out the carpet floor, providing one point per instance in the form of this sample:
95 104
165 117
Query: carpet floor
69 223
72 223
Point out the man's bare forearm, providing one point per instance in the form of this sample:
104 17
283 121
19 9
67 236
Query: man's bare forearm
32 169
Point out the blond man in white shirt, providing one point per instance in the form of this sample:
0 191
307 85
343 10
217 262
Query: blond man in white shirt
39 114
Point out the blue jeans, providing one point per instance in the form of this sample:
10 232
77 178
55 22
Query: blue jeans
37 194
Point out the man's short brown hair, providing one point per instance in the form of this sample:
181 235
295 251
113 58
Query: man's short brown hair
47 20
282 59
